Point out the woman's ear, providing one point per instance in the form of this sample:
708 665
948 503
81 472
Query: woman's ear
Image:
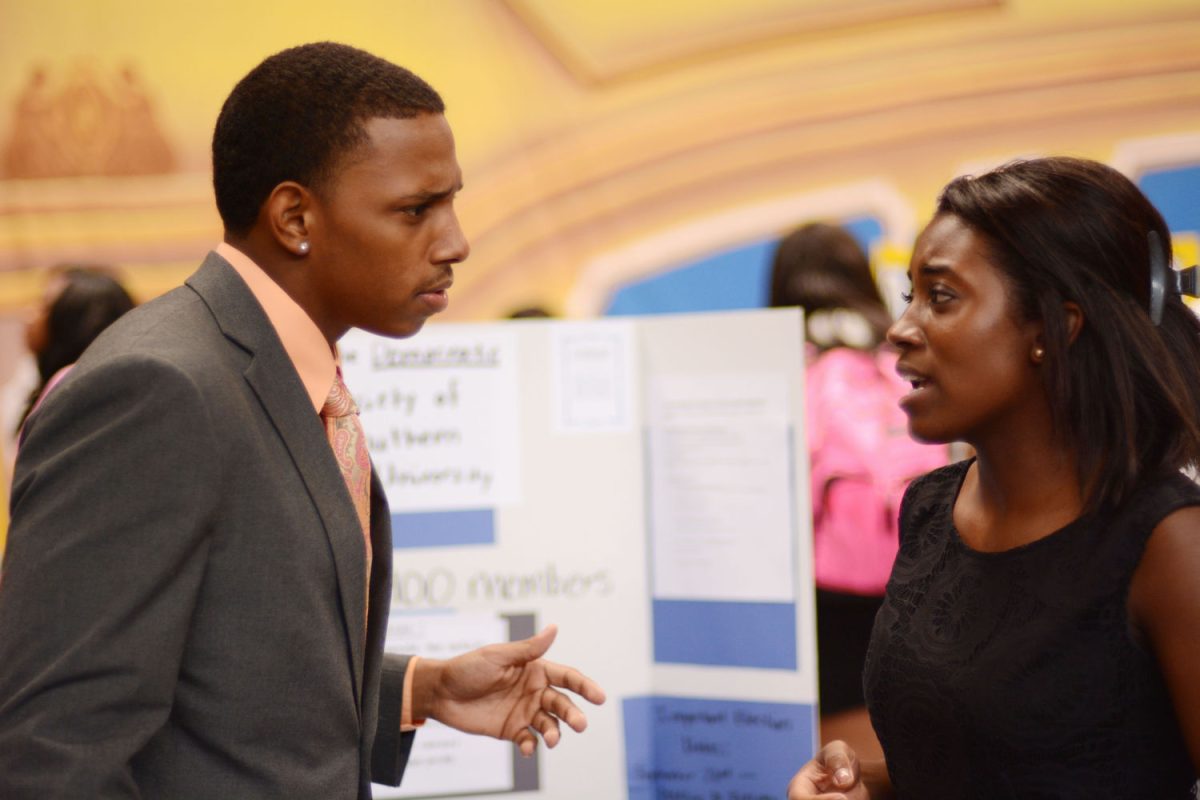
286 214
1073 317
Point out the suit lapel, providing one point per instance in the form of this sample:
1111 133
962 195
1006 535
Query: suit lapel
273 378
381 599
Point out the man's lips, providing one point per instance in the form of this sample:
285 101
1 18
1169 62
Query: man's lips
441 287
436 295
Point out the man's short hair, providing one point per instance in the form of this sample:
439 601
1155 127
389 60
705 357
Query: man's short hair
295 115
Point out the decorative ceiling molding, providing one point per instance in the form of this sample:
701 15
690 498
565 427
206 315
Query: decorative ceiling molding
933 90
562 235
698 237
601 44
693 128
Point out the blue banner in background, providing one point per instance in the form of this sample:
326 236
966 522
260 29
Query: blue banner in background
1173 192
695 749
444 528
725 633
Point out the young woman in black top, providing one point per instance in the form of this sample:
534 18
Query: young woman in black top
1040 637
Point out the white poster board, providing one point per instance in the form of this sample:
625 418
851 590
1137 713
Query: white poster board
647 492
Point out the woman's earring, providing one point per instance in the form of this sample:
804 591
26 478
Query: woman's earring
303 247
1039 353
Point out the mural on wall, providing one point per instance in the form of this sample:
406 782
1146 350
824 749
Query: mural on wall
602 144
81 120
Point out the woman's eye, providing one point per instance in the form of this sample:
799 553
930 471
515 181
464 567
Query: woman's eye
415 211
938 296
906 297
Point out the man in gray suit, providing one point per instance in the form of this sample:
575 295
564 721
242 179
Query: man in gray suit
189 608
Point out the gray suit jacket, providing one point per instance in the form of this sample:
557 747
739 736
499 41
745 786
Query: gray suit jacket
182 605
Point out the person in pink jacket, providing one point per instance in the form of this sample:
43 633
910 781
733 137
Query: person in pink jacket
861 456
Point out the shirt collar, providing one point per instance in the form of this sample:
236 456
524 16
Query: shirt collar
302 339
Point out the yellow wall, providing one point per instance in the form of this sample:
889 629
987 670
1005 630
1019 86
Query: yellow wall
588 128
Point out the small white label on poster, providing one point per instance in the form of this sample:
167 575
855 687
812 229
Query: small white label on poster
592 367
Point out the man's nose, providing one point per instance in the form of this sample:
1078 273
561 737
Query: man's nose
452 246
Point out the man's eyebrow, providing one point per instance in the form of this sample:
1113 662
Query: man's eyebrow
434 195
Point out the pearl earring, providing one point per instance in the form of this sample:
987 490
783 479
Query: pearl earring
303 247
1039 353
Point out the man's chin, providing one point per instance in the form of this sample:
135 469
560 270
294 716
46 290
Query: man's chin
396 331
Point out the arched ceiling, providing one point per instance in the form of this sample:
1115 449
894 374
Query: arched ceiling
585 128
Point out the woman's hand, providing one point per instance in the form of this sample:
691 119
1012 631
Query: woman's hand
833 774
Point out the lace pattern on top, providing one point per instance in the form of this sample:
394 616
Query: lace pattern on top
1016 674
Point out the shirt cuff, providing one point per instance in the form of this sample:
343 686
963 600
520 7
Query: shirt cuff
407 723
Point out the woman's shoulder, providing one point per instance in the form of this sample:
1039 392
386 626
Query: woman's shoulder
1170 511
1157 531
1158 499
1164 603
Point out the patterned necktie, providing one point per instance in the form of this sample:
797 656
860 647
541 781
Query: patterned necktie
349 443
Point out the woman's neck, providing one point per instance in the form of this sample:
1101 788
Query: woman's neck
1017 491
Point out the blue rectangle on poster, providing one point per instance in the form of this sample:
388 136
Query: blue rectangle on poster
694 749
725 634
444 528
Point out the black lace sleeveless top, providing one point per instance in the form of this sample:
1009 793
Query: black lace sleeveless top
1016 674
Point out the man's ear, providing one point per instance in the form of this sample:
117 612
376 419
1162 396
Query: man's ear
286 213
1073 317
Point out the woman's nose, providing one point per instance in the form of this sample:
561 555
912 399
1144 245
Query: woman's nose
903 333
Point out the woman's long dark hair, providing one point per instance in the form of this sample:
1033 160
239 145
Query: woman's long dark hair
89 302
1125 395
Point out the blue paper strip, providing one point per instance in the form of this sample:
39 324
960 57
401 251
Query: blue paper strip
444 528
725 634
696 749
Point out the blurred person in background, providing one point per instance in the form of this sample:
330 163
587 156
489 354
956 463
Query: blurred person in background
79 303
861 456
530 312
